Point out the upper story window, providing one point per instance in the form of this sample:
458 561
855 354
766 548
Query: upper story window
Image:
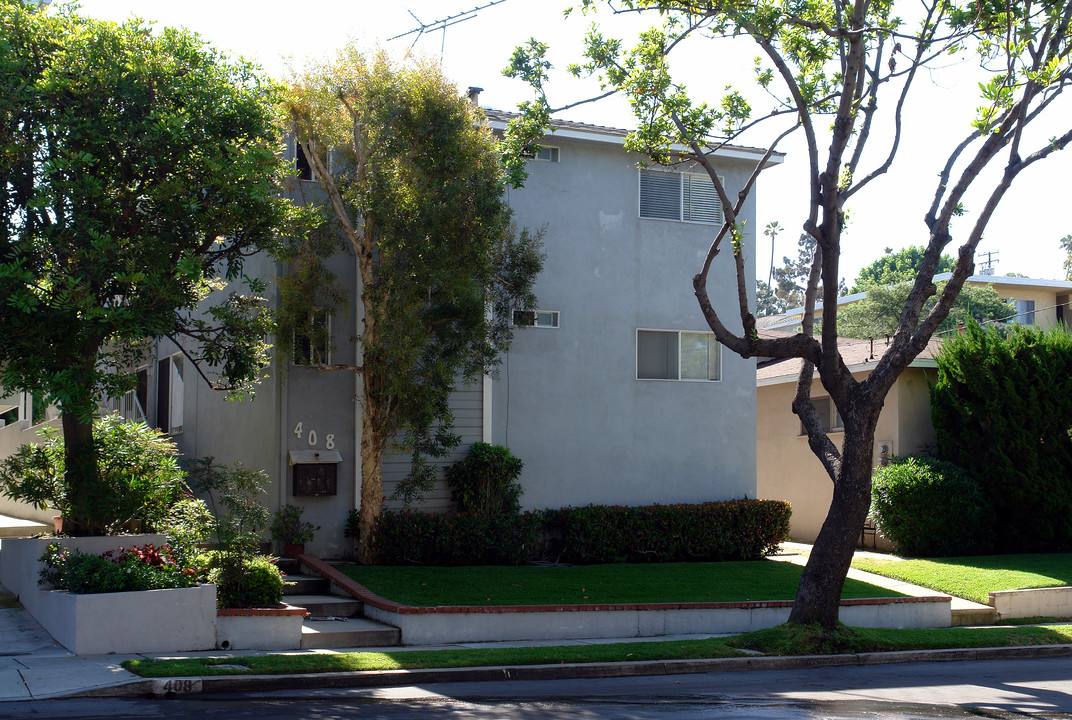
312 343
536 318
170 389
685 197
545 153
678 355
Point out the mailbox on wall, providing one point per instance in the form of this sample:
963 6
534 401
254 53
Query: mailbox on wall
316 472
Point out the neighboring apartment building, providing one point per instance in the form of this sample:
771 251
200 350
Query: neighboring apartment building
618 394
1032 301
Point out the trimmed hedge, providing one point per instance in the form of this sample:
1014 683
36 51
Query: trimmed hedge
416 538
731 530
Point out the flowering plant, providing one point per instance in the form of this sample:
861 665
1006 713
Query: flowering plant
139 567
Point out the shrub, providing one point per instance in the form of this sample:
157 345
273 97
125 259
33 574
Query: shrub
1001 408
253 581
930 507
733 530
730 530
243 577
137 476
140 567
287 526
189 523
414 538
486 481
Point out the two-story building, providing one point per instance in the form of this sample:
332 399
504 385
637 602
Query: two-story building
616 394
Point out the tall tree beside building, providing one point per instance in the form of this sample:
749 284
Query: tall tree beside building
841 75
414 186
137 171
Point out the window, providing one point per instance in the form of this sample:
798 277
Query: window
545 153
686 197
675 355
1025 312
312 343
301 162
536 318
169 394
828 413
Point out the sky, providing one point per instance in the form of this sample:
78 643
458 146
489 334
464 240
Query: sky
1024 233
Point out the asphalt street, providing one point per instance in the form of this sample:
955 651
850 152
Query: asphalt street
991 689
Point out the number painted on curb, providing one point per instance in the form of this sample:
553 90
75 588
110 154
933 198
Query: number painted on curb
177 686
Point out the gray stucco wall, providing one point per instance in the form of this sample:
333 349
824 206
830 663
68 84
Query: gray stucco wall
567 400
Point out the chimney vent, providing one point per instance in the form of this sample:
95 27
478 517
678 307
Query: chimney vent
474 95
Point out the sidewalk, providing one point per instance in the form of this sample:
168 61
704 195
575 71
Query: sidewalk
33 666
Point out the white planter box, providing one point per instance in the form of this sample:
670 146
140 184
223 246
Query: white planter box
259 628
178 620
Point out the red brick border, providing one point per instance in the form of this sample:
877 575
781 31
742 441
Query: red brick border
282 609
368 597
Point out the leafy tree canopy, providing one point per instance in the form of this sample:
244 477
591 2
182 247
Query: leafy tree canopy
879 313
137 172
416 191
897 267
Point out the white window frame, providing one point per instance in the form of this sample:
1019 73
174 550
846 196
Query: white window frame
546 153
684 177
547 319
327 350
176 389
832 422
679 333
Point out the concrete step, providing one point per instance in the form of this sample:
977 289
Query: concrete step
969 616
306 585
327 605
289 565
352 632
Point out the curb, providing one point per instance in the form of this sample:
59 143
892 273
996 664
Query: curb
173 687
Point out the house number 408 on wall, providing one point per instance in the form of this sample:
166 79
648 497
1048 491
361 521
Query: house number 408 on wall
310 437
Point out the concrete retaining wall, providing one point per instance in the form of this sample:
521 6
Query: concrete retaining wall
421 626
176 620
1036 602
259 628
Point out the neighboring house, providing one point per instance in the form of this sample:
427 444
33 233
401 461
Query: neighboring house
21 416
1032 301
617 394
786 468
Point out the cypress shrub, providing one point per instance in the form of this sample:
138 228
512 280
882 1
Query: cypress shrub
931 507
1002 409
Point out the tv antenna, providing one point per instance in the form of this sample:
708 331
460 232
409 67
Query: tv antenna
423 27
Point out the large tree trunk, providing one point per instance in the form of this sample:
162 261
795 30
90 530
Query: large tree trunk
372 445
371 489
80 470
819 594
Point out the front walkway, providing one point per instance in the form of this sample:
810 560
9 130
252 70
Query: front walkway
965 612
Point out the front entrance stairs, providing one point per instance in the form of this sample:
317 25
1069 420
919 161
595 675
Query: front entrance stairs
334 621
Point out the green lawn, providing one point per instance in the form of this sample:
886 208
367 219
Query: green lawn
617 583
782 640
973 577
